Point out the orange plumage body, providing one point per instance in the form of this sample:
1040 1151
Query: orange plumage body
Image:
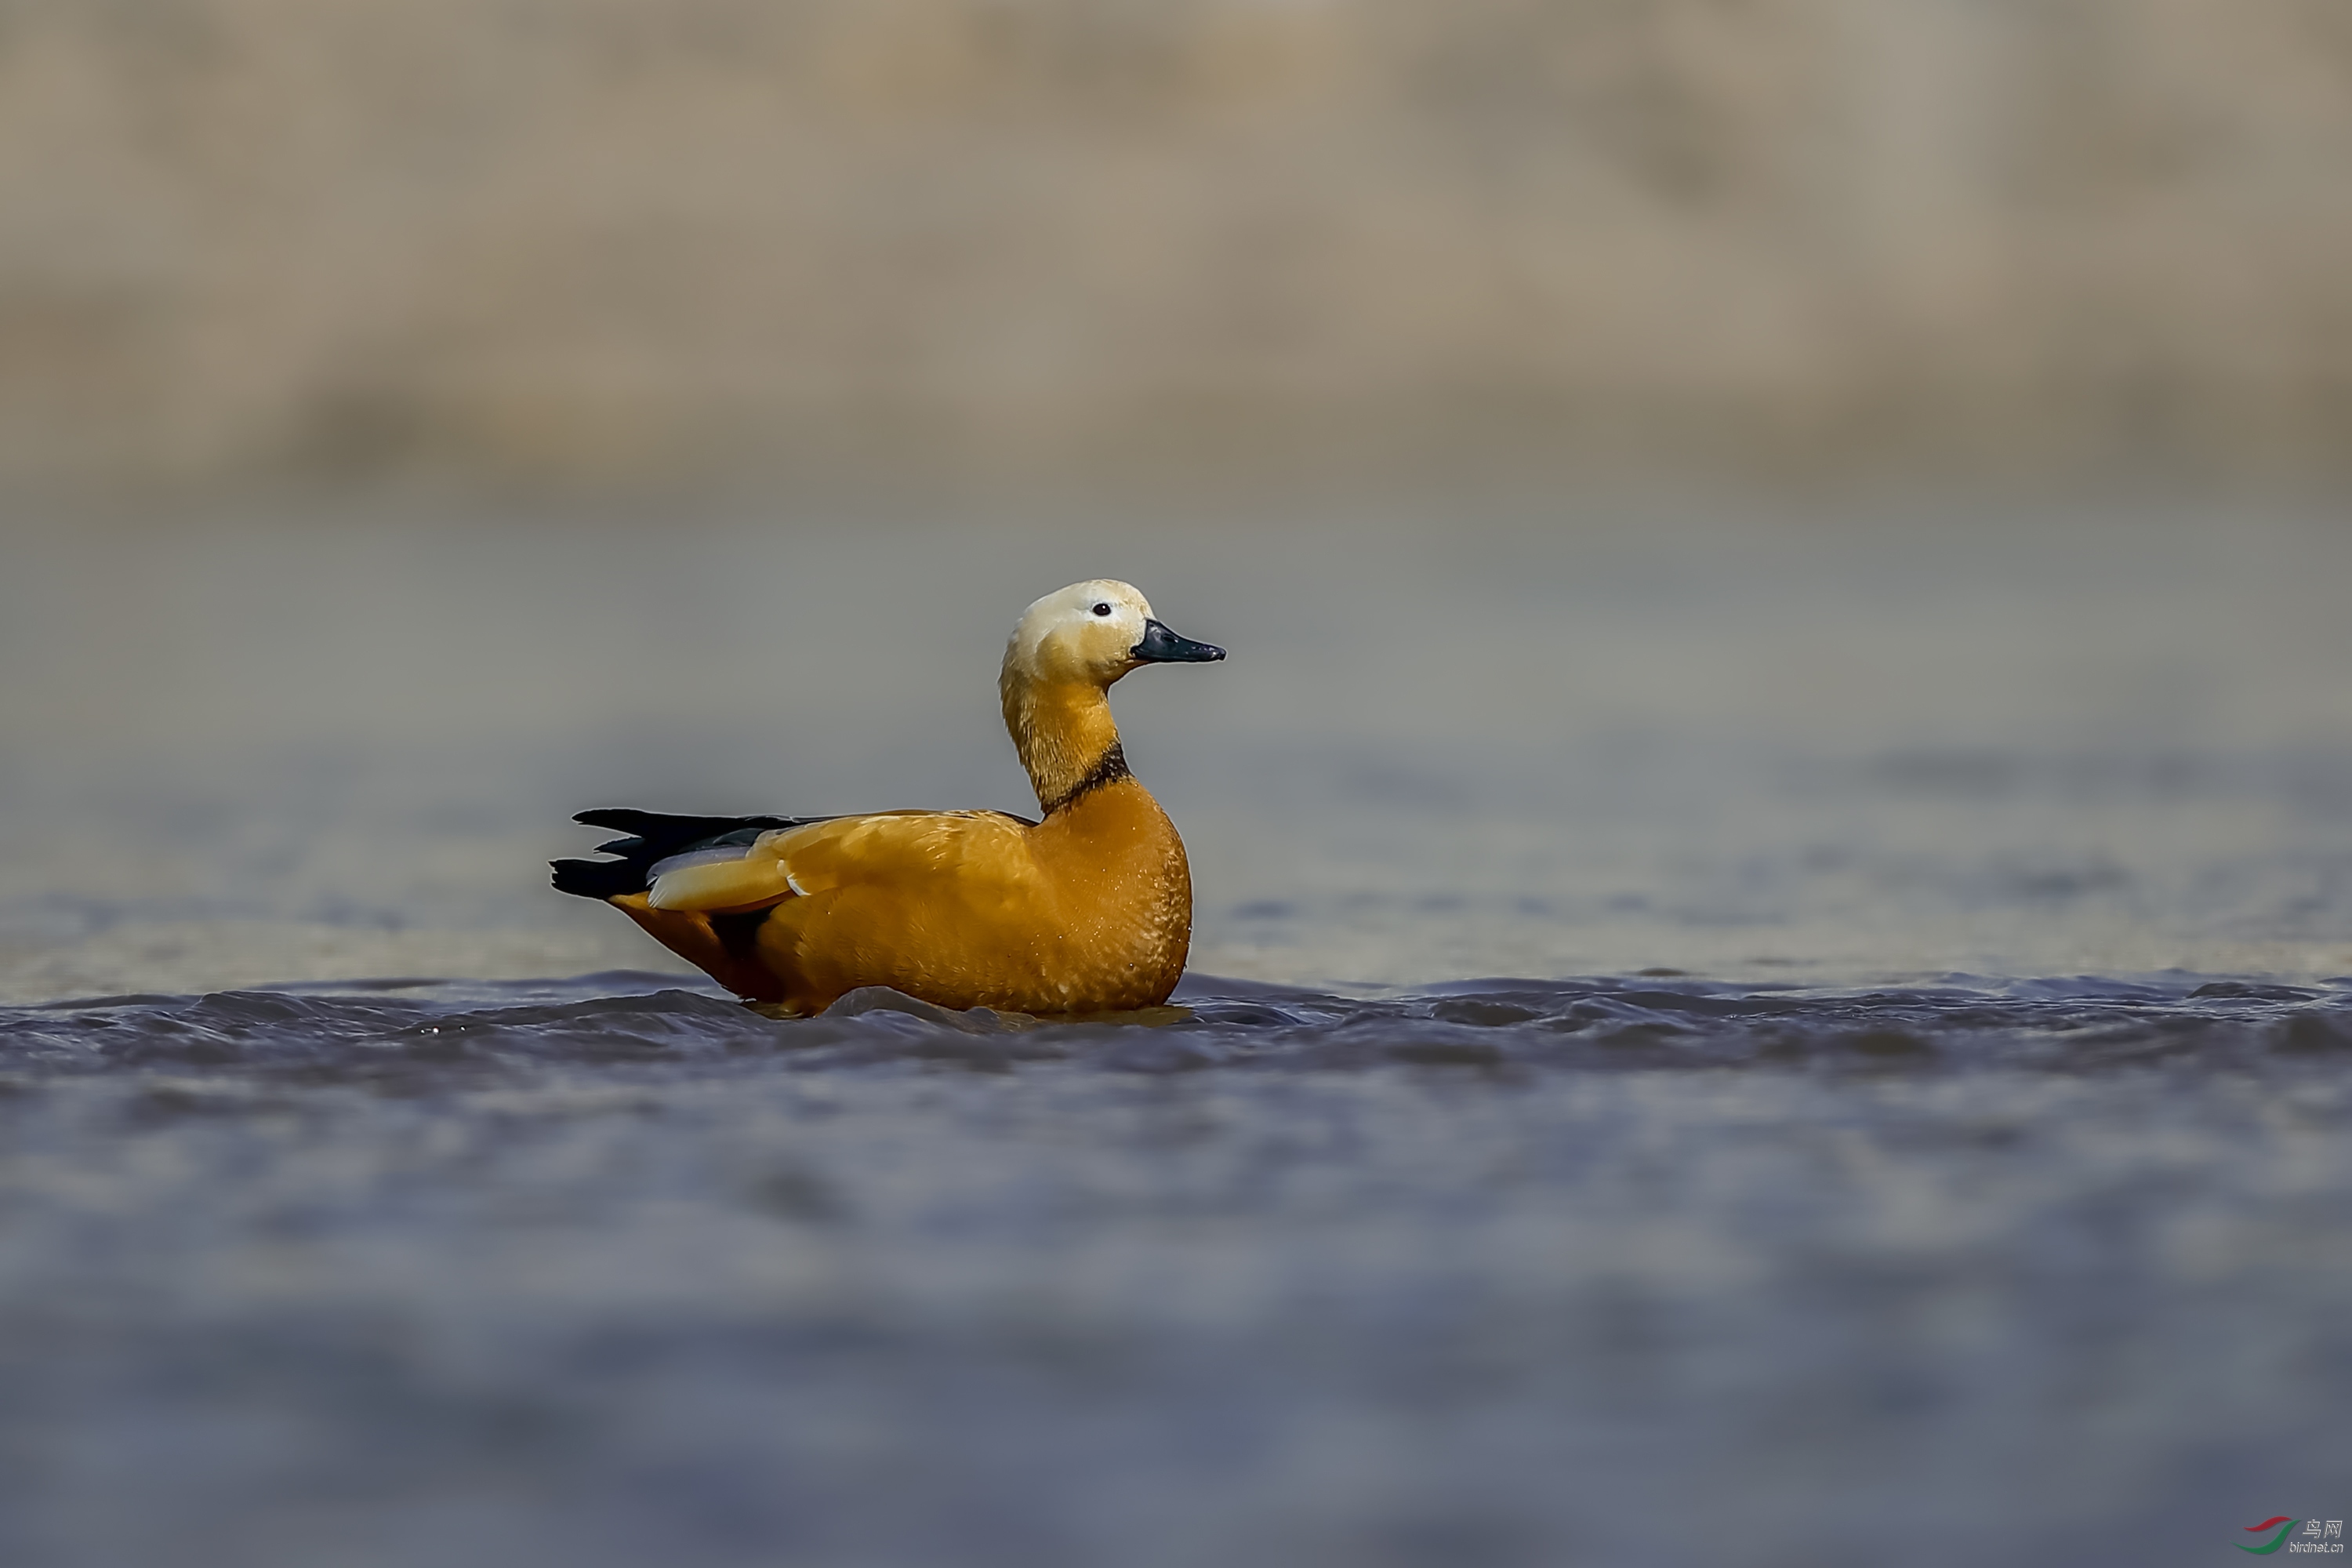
1089 911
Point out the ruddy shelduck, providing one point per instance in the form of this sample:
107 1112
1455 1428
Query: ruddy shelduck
1087 910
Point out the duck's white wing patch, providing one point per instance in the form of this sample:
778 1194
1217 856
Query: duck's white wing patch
714 855
723 877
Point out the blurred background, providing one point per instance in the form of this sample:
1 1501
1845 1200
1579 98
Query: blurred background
612 242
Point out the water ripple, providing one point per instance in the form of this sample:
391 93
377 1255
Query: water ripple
410 1027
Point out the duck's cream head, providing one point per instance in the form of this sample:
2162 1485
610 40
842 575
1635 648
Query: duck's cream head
1065 653
1092 633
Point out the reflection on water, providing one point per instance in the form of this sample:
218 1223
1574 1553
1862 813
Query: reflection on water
1954 1164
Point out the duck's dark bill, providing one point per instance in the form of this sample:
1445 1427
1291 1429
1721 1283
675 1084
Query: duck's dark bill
1161 646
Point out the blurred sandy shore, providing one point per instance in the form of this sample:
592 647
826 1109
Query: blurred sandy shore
646 239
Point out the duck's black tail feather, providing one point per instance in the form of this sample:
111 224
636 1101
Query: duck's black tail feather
653 836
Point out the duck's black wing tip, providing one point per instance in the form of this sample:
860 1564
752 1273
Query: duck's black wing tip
652 835
598 878
670 829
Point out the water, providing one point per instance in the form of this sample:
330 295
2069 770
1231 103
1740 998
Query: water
1942 1159
1511 1272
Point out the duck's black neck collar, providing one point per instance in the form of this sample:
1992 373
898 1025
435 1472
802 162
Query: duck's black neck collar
1109 768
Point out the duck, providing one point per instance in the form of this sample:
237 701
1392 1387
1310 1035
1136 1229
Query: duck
1084 909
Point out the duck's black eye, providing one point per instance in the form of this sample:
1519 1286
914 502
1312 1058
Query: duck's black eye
1102 609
